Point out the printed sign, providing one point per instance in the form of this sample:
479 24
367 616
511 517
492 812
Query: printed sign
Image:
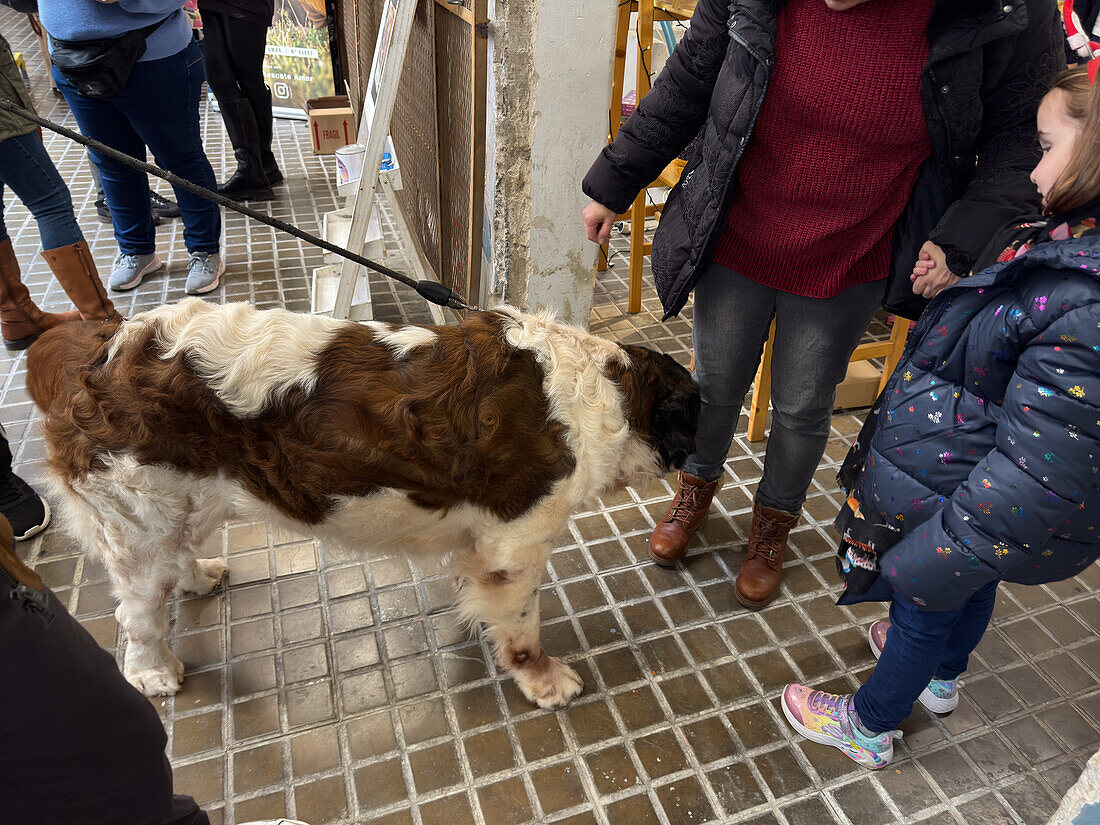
298 64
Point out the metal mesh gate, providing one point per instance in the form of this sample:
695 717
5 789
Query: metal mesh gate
438 126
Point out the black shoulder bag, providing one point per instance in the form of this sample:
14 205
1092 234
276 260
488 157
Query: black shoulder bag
100 68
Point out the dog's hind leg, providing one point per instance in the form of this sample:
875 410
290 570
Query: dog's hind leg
505 600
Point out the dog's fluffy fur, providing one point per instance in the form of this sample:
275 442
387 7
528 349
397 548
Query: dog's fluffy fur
473 442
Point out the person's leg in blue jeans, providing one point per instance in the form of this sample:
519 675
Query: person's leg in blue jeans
161 101
158 108
126 189
920 646
27 170
967 633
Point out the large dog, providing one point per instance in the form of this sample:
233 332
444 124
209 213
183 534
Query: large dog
474 442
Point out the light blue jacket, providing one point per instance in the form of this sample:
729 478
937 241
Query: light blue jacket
91 20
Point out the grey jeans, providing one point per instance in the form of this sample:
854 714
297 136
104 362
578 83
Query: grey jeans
814 338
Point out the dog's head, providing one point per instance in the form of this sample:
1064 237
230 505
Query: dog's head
662 404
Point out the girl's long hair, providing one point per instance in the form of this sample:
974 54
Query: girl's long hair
1079 184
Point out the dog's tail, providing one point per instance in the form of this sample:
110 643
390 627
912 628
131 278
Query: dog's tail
55 359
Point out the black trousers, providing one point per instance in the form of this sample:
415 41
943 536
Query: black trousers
78 744
234 69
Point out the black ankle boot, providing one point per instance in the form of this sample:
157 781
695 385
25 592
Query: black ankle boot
248 183
271 167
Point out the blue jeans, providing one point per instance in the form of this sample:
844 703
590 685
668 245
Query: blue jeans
28 171
159 109
814 338
920 646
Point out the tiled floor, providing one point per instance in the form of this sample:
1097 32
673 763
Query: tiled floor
337 690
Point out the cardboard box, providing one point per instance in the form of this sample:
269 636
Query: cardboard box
859 387
331 123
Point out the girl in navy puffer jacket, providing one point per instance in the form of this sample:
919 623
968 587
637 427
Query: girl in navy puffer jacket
984 461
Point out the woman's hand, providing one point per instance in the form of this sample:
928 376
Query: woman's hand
597 222
930 272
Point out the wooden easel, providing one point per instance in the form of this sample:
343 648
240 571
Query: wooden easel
381 92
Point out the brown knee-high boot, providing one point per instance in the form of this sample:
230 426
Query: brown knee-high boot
75 270
20 320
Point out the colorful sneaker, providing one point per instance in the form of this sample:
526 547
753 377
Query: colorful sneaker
941 695
204 272
823 718
128 270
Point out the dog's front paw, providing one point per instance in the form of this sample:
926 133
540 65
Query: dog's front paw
548 682
206 575
157 673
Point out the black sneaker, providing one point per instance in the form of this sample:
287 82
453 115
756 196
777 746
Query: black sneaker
103 211
27 511
162 207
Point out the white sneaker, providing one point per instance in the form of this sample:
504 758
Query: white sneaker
128 270
941 695
204 272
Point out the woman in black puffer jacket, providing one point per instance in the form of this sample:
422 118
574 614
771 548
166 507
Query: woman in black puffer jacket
826 161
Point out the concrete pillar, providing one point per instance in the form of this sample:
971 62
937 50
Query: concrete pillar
549 89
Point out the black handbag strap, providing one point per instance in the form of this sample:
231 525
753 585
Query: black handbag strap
76 44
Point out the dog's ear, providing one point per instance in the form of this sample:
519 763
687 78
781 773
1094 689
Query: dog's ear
675 420
676 413
666 408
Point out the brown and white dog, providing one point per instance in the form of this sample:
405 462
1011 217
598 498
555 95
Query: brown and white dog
472 442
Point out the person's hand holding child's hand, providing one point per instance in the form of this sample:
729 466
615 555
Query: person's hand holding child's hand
930 272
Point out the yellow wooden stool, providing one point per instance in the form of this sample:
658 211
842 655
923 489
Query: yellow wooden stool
648 11
22 64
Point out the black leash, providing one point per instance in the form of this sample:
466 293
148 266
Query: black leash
432 291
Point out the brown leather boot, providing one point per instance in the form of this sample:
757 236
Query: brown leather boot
689 509
75 270
758 581
20 320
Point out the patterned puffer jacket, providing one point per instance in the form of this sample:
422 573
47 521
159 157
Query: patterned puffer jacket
987 450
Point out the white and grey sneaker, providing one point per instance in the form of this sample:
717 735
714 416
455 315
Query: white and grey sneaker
128 270
941 695
204 272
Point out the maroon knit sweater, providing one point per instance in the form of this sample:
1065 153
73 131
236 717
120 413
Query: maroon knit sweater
835 150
